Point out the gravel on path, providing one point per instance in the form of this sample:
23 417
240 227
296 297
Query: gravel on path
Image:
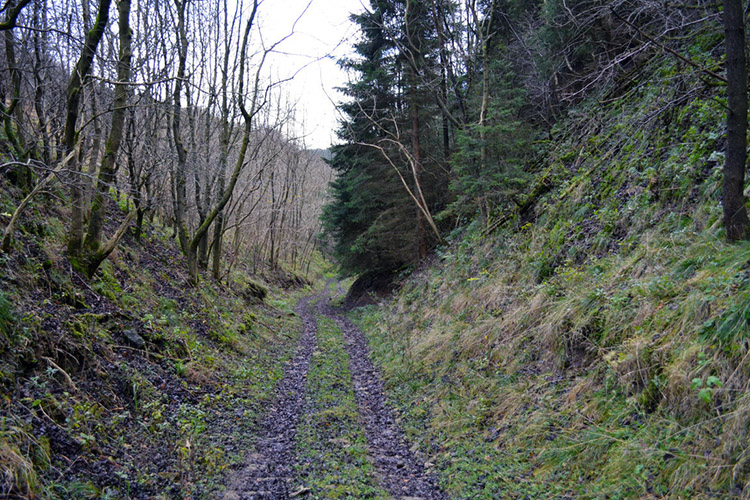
401 471
269 470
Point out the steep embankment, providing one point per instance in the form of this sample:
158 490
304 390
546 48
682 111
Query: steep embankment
596 344
133 384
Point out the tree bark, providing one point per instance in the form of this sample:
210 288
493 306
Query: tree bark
179 180
70 136
733 198
12 14
108 170
417 152
15 137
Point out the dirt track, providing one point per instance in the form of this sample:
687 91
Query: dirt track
269 470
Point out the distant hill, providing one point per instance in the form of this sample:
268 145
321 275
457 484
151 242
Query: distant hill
323 153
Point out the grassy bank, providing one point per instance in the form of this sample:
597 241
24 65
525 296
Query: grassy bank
133 384
597 345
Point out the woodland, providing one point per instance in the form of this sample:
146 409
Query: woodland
521 271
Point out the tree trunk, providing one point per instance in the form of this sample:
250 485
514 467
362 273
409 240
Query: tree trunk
179 179
226 131
15 135
218 249
417 152
733 198
70 136
94 253
40 38
139 223
108 170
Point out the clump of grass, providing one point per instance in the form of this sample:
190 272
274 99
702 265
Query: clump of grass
17 471
7 318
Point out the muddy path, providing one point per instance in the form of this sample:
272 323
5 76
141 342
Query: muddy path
401 472
269 471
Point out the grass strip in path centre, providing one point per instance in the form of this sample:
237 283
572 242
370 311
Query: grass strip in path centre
331 446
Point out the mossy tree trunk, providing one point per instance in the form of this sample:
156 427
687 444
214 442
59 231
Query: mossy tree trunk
12 112
70 135
179 180
93 252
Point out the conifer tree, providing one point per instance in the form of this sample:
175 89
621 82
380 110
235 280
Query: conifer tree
387 183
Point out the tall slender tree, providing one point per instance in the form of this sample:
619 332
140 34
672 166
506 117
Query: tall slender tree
733 198
93 250
70 134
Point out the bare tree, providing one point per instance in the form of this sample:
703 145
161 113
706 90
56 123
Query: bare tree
93 250
70 136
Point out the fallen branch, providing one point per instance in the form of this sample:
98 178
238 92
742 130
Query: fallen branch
95 260
63 372
671 51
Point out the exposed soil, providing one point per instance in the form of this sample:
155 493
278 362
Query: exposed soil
401 471
94 373
269 470
367 289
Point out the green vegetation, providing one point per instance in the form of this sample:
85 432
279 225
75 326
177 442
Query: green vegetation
132 384
598 347
543 182
331 445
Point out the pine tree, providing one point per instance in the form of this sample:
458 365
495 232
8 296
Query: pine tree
382 194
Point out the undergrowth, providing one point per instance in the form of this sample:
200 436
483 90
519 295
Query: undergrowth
598 346
132 384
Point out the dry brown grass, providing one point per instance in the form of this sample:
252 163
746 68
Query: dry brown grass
17 474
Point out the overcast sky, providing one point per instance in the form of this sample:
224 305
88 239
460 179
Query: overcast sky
323 35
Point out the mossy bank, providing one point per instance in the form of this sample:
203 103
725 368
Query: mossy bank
133 384
595 344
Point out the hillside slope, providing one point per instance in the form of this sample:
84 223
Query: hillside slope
133 384
596 344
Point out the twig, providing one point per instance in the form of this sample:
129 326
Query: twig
147 353
671 51
63 372
8 234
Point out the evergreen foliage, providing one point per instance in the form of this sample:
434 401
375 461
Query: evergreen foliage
454 98
481 188
372 217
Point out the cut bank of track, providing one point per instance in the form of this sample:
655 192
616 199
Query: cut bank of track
269 471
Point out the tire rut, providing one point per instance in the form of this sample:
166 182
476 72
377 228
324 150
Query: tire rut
400 471
268 472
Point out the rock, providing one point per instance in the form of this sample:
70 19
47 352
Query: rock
254 292
132 337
